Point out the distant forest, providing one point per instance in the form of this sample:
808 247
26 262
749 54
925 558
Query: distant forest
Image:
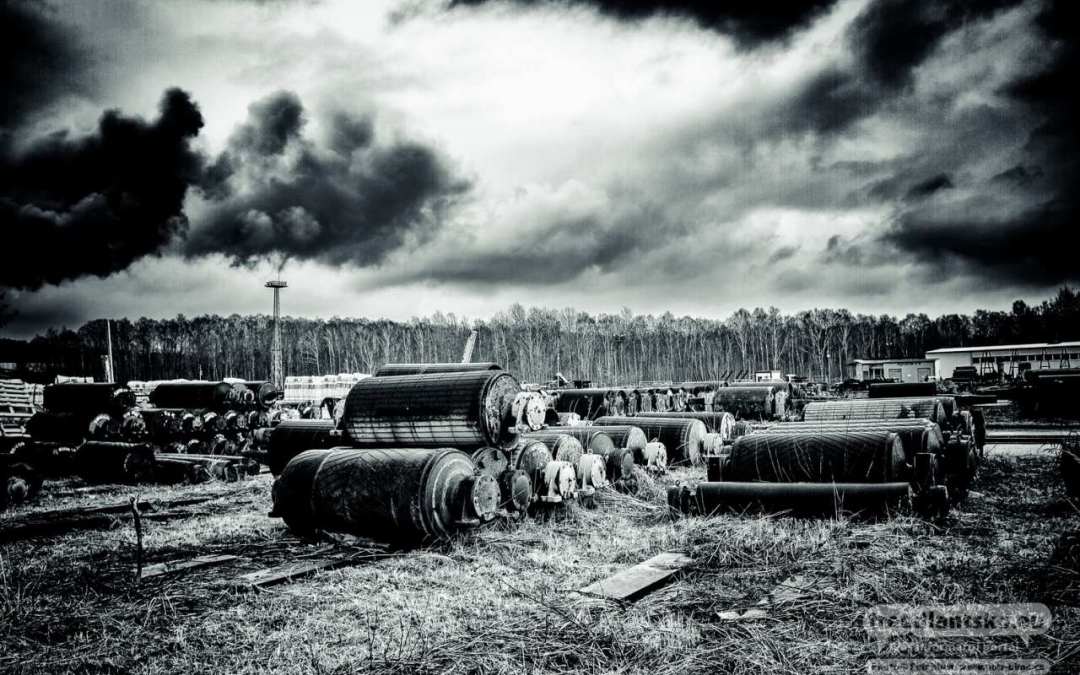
534 343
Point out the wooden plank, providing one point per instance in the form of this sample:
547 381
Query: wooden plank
288 571
160 569
645 577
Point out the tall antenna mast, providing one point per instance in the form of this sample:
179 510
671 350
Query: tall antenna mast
277 370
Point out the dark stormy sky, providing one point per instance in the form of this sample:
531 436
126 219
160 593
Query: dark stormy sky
401 157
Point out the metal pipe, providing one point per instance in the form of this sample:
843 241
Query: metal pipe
392 369
879 408
88 398
108 462
291 437
708 498
215 396
715 421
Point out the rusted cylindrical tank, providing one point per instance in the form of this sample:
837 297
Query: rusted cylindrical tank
492 461
681 436
875 409
408 495
88 398
826 456
462 410
290 438
916 435
588 403
64 428
707 498
716 422
559 445
627 436
747 402
392 369
902 389
591 438
108 462
193 395
265 393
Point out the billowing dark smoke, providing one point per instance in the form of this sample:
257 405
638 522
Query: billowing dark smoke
748 22
74 206
1022 225
348 200
38 63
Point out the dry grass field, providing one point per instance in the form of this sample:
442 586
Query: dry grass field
505 598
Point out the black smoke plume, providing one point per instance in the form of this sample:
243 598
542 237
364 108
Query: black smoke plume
749 22
347 200
75 206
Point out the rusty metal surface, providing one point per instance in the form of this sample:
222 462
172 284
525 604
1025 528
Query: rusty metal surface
592 439
391 369
681 436
292 437
516 490
588 403
88 398
194 395
531 456
463 410
408 495
825 456
717 422
492 461
747 402
878 408
916 435
111 462
627 436
556 443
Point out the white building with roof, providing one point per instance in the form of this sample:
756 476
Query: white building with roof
1008 359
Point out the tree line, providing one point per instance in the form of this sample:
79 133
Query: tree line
535 343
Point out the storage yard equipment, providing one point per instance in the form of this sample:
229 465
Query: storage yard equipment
216 396
824 456
875 409
716 422
88 398
682 437
291 437
751 402
463 410
104 462
587 403
424 368
407 495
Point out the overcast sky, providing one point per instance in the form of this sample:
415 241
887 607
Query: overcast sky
403 157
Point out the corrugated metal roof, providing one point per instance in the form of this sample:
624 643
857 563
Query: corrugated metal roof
1004 348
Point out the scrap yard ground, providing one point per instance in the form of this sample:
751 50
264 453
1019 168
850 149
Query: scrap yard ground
505 599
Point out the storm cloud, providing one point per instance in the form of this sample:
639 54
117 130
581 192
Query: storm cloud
350 199
91 205
748 22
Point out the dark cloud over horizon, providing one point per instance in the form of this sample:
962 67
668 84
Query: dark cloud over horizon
748 22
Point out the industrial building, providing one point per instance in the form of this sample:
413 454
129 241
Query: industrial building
898 370
1010 360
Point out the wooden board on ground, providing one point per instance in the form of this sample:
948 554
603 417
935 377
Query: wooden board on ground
160 569
290 570
645 577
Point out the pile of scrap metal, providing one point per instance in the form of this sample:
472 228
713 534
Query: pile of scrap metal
95 431
424 450
860 454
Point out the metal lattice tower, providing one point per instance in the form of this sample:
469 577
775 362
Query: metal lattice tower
277 370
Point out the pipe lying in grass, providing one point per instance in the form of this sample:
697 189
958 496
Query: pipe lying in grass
706 499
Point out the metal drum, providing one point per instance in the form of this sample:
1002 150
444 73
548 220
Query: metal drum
102 462
681 436
409 495
837 456
716 422
194 395
88 398
291 437
875 409
462 410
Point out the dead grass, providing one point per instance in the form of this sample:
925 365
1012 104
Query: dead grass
505 600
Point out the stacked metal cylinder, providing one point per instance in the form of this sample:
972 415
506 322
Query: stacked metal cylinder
425 450
96 431
850 454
